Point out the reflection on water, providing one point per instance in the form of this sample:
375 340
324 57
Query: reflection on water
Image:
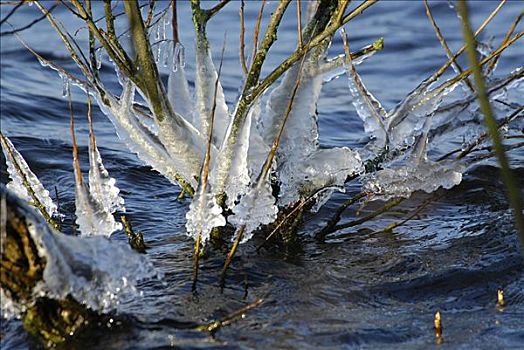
368 289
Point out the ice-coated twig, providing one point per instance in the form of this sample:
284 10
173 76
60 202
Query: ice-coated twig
204 213
25 184
92 217
367 106
101 185
259 194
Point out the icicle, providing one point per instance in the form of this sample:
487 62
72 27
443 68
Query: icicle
405 121
101 185
258 149
172 153
91 217
323 168
159 52
14 161
204 214
239 174
98 54
178 89
179 57
335 66
403 181
367 106
256 208
205 81
168 55
65 85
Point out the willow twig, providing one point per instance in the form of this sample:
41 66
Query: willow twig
30 24
299 24
263 172
445 66
12 12
417 211
508 35
512 188
216 325
74 55
256 31
242 41
330 226
385 208
136 240
204 176
445 44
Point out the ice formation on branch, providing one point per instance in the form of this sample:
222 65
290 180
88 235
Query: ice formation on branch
83 267
172 137
255 209
206 76
19 172
101 185
204 214
95 204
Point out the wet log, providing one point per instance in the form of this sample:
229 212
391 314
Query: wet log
22 269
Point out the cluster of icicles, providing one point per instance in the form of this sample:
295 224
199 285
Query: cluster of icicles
175 145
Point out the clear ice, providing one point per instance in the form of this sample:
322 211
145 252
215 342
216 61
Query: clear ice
101 185
17 180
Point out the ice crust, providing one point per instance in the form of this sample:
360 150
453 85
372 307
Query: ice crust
426 176
255 209
204 214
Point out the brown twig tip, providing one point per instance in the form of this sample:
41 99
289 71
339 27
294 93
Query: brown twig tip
500 299
438 328
136 240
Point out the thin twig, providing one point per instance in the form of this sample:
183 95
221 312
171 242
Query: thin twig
264 171
32 23
442 69
417 211
36 202
385 208
12 12
300 204
257 28
242 42
174 23
508 35
207 161
330 226
445 44
216 325
214 10
299 24
485 134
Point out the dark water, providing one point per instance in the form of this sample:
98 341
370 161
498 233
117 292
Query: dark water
362 291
